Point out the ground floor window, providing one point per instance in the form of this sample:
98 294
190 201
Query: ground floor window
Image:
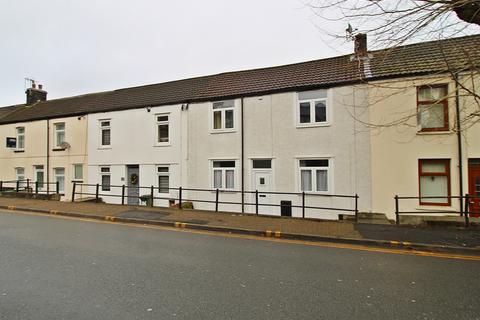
59 177
78 172
314 175
105 178
224 174
434 178
163 174
20 176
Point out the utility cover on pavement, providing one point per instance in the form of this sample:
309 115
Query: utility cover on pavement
146 215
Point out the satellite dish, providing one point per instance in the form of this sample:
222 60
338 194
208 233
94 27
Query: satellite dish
65 145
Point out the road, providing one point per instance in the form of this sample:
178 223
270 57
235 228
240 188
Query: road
58 268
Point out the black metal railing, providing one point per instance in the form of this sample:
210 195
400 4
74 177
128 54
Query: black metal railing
120 191
29 186
465 212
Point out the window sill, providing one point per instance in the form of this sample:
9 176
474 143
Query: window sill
104 147
215 131
18 151
429 133
431 208
59 149
313 125
319 193
167 144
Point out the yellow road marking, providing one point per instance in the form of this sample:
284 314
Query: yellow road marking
270 239
268 233
11 207
53 211
278 234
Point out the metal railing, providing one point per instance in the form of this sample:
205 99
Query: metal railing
26 185
120 191
465 213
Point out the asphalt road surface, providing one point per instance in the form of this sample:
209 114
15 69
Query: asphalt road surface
52 268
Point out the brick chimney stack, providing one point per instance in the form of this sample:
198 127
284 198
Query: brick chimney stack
34 95
361 45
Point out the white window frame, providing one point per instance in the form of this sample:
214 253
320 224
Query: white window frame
163 174
56 131
312 102
102 128
75 178
104 173
222 111
157 133
18 135
223 171
18 175
56 176
329 169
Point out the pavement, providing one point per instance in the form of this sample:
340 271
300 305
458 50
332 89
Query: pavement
78 269
460 240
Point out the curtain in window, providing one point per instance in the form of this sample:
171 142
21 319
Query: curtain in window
322 180
306 180
434 186
105 182
217 120
432 116
229 177
217 179
106 137
163 133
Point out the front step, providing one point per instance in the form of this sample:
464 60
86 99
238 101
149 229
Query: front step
368 217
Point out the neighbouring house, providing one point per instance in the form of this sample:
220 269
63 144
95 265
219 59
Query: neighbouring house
372 123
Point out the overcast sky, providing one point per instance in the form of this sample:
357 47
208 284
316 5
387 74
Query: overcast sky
75 47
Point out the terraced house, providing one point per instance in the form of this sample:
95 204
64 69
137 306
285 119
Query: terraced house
372 123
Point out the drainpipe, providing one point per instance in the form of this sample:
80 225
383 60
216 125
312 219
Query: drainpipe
243 156
459 139
48 156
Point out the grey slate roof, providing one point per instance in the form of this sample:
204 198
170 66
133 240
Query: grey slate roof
416 59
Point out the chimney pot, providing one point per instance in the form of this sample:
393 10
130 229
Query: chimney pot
361 45
40 86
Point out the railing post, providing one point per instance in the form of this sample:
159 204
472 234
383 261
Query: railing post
28 184
217 192
397 214
73 191
180 198
303 204
57 187
97 188
467 209
151 196
36 187
123 195
1 186
356 207
17 187
256 202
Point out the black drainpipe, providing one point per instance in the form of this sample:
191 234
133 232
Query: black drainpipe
242 160
48 156
459 139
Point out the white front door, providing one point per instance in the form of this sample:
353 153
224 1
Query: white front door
262 181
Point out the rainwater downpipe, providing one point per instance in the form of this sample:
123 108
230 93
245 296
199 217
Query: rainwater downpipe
48 156
242 160
459 139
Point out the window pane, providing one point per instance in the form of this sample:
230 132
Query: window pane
60 137
310 95
105 182
217 120
105 123
262 164
78 174
217 179
162 118
164 184
434 186
105 169
224 164
306 180
229 119
322 180
432 94
60 126
61 183
162 169
432 116
224 104
59 171
163 133
305 112
429 167
106 137
20 141
20 171
20 130
229 179
320 111
314 163
39 177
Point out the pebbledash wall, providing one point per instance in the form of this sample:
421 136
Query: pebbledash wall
397 149
32 158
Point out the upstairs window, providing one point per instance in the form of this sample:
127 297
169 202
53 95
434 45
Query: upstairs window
312 108
434 177
163 128
224 115
105 178
432 108
59 134
224 174
20 138
105 133
163 179
314 175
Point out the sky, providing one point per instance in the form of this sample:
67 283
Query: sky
75 47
